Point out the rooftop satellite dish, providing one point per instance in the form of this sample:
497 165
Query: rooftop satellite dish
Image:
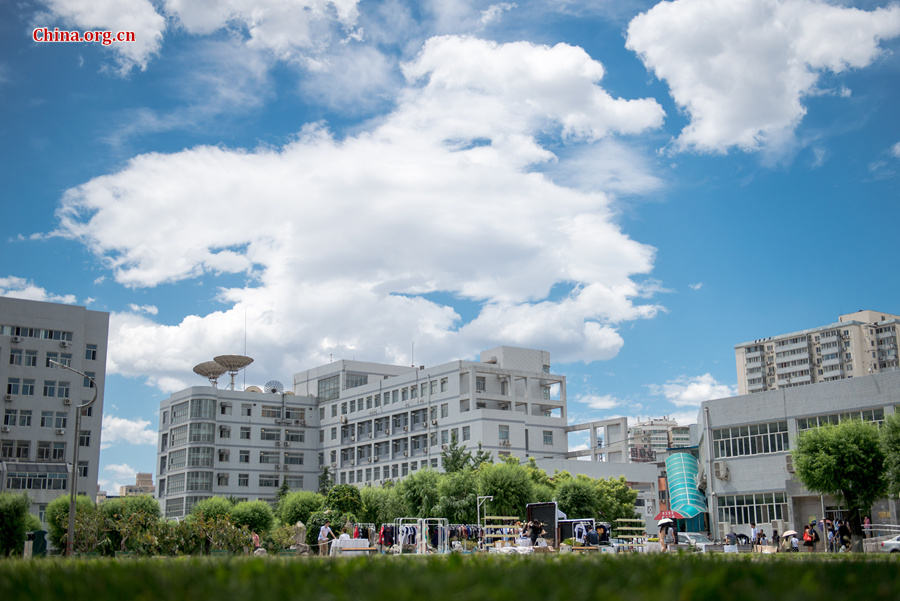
210 370
233 364
253 389
273 386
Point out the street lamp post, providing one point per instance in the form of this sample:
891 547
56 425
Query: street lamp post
73 480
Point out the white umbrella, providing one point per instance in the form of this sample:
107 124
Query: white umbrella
664 521
789 533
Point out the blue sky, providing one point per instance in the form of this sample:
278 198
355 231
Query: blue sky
635 187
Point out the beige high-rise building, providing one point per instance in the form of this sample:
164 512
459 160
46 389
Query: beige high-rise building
860 343
143 485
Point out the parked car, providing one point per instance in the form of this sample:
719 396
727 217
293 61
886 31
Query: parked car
891 545
696 540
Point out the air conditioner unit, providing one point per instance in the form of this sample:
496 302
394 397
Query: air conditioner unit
298 422
387 432
405 453
406 428
67 402
8 397
720 469
504 443
65 344
277 468
369 460
277 443
60 431
789 463
434 422
352 438
352 462
16 339
375 458
443 447
343 419
4 429
286 443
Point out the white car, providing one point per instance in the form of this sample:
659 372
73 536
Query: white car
697 540
891 545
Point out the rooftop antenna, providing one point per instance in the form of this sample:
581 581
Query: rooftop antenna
233 364
210 370
273 386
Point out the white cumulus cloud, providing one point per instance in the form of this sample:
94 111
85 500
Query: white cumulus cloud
138 16
599 401
687 391
128 431
895 150
740 69
16 287
340 238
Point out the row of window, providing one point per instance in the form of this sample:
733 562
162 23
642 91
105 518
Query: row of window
755 439
757 508
52 388
397 470
42 333
202 481
21 449
203 457
29 357
206 409
875 416
388 397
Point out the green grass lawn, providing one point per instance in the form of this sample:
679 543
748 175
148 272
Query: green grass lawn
436 578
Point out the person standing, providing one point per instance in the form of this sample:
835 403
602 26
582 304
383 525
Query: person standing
867 527
324 532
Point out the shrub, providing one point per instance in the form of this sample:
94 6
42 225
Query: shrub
130 521
13 517
212 508
58 517
297 506
255 515
381 504
419 492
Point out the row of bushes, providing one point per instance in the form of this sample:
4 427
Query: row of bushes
635 577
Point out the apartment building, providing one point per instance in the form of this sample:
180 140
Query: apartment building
37 437
364 422
649 441
858 344
143 485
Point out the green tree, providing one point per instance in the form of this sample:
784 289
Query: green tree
57 516
578 498
129 521
381 504
481 457
890 443
326 480
255 515
32 523
212 508
344 498
419 492
845 460
457 497
282 491
615 499
296 506
509 484
13 517
455 457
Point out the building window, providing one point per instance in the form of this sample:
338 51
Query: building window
243 479
31 358
62 390
245 433
50 388
51 356
203 408
503 433
445 436
180 412
479 384
82 472
295 413
66 359
224 432
269 434
321 436
268 457
87 411
177 459
222 479
466 432
321 413
246 410
353 380
271 411
84 438
15 356
90 352
46 419
757 508
445 409
756 439
548 438
28 387
89 379
244 456
59 451
294 482
62 419
200 457
12 386
434 386
329 388
293 458
224 455
294 435
268 481
875 416
23 449
445 384
334 433
203 432
201 481
43 451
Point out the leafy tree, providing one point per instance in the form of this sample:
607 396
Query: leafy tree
455 457
419 492
344 498
212 508
845 460
578 498
509 484
296 506
326 480
317 520
129 519
615 499
542 493
255 515
58 517
480 457
381 504
890 443
457 497
32 523
13 516
537 475
282 491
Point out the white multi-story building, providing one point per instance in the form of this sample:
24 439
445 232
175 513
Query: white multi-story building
364 422
745 443
859 344
649 441
37 436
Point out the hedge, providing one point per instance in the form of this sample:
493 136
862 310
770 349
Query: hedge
529 578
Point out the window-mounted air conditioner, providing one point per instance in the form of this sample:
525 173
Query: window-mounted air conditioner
16 339
65 344
4 428
789 463
60 431
720 469
8 397
67 402
287 443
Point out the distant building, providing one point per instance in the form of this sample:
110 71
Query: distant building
649 441
37 434
143 486
859 344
